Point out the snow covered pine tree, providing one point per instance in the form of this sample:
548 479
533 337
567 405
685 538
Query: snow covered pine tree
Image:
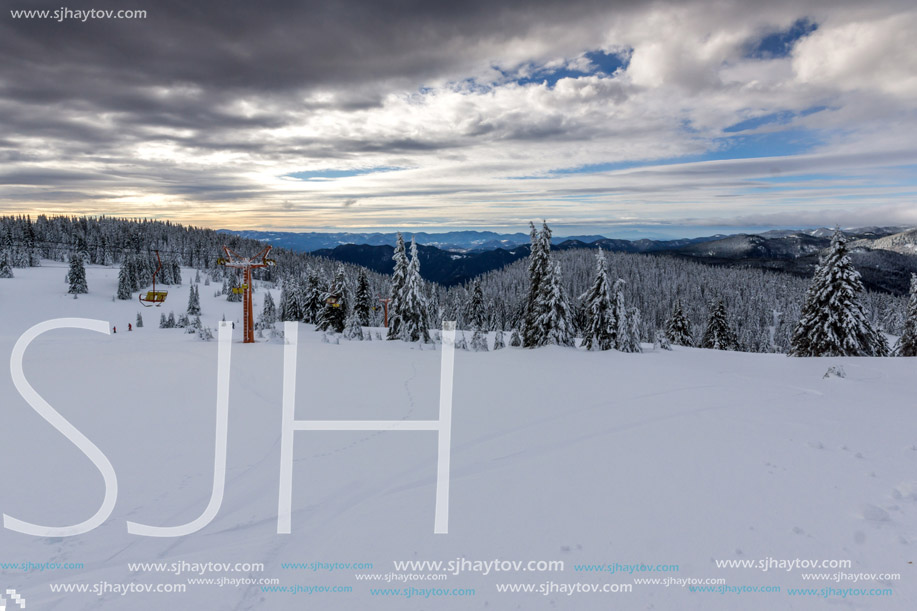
719 334
477 314
363 300
554 321
268 311
194 302
539 261
414 325
6 270
77 275
907 343
678 329
399 278
600 326
833 322
334 313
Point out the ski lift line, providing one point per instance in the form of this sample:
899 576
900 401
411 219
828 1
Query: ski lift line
246 264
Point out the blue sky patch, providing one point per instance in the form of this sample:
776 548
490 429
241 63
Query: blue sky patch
743 146
779 44
603 63
779 118
331 174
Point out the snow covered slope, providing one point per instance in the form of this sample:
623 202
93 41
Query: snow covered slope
683 458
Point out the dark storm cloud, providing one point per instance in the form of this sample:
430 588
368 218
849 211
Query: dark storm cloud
257 46
186 64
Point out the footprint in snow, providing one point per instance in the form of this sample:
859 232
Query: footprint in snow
905 491
872 513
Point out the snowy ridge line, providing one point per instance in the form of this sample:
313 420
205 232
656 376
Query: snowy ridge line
443 426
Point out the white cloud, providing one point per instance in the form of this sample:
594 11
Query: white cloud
876 55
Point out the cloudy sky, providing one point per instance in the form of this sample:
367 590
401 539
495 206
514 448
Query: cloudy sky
621 117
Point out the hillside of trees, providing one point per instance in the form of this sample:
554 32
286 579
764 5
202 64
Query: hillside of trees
758 309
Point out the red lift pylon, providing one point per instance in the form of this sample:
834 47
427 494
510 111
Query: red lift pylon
385 301
247 265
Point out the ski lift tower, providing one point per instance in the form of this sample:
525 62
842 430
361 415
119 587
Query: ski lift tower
233 259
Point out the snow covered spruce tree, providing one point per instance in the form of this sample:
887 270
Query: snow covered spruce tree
907 343
477 310
353 329
268 311
626 321
309 296
515 340
414 325
477 314
719 334
678 329
632 341
6 270
399 278
289 308
539 269
600 326
363 300
479 341
554 321
833 322
333 315
233 292
194 302
76 277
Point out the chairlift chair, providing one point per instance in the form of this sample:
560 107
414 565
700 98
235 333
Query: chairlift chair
154 297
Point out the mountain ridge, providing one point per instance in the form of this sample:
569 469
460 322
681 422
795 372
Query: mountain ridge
885 256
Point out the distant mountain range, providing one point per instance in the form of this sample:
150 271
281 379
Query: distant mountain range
886 256
459 241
